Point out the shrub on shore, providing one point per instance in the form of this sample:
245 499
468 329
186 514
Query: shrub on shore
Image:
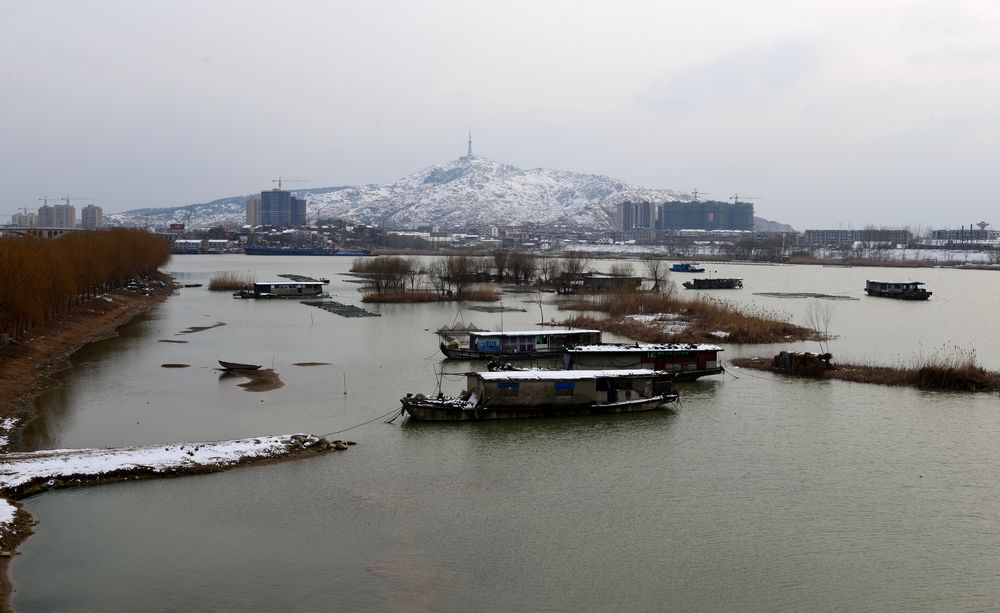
477 293
957 371
231 281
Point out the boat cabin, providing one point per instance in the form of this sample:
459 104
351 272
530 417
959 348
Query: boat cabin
687 361
287 289
686 267
905 290
541 341
536 388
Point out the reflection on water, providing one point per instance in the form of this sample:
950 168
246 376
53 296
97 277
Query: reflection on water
759 493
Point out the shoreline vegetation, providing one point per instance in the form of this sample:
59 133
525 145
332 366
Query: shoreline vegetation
955 372
666 318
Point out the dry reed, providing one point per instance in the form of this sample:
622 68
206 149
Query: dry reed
707 319
231 281
945 371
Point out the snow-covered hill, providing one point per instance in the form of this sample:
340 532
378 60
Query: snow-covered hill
480 192
465 193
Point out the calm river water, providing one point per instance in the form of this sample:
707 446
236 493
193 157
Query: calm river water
759 494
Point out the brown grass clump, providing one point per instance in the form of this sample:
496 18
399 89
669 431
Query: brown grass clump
706 318
231 281
482 293
402 297
475 293
957 372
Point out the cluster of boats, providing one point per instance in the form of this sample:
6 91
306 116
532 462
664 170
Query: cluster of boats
591 377
710 283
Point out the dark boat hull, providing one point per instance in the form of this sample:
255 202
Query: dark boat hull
900 295
238 366
714 284
430 410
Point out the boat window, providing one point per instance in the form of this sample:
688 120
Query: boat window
564 388
508 388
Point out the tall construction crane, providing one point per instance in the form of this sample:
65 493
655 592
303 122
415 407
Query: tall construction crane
68 197
694 194
738 198
281 180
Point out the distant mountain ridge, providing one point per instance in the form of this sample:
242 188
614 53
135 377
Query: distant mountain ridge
469 192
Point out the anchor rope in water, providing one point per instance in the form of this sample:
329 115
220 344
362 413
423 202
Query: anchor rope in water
753 376
362 424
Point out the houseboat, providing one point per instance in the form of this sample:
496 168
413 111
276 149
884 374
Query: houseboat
687 361
546 393
904 290
282 289
526 345
713 284
686 267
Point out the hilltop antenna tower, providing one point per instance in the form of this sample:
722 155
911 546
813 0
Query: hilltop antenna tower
468 155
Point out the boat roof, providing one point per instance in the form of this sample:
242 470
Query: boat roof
288 282
563 375
640 347
527 332
897 282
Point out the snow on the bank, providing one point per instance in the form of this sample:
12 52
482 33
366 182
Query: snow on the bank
6 425
18 469
667 322
7 511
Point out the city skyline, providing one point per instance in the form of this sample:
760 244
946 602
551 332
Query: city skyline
863 113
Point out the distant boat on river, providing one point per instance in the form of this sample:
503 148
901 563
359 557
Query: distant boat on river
903 290
713 284
686 267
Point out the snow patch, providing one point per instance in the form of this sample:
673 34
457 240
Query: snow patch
671 323
7 511
22 468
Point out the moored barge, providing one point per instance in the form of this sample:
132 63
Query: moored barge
687 361
546 393
523 345
686 267
713 284
282 289
903 290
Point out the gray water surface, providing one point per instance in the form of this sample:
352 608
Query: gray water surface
759 494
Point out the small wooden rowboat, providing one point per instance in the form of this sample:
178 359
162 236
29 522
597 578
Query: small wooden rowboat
238 366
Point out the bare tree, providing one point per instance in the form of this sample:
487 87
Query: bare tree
658 271
416 270
437 273
522 266
818 316
622 269
573 265
460 272
501 258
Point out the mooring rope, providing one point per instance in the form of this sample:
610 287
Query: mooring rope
753 376
362 424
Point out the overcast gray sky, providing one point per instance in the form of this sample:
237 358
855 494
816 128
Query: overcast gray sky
834 114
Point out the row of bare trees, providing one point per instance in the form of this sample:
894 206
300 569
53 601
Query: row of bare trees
41 278
454 274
